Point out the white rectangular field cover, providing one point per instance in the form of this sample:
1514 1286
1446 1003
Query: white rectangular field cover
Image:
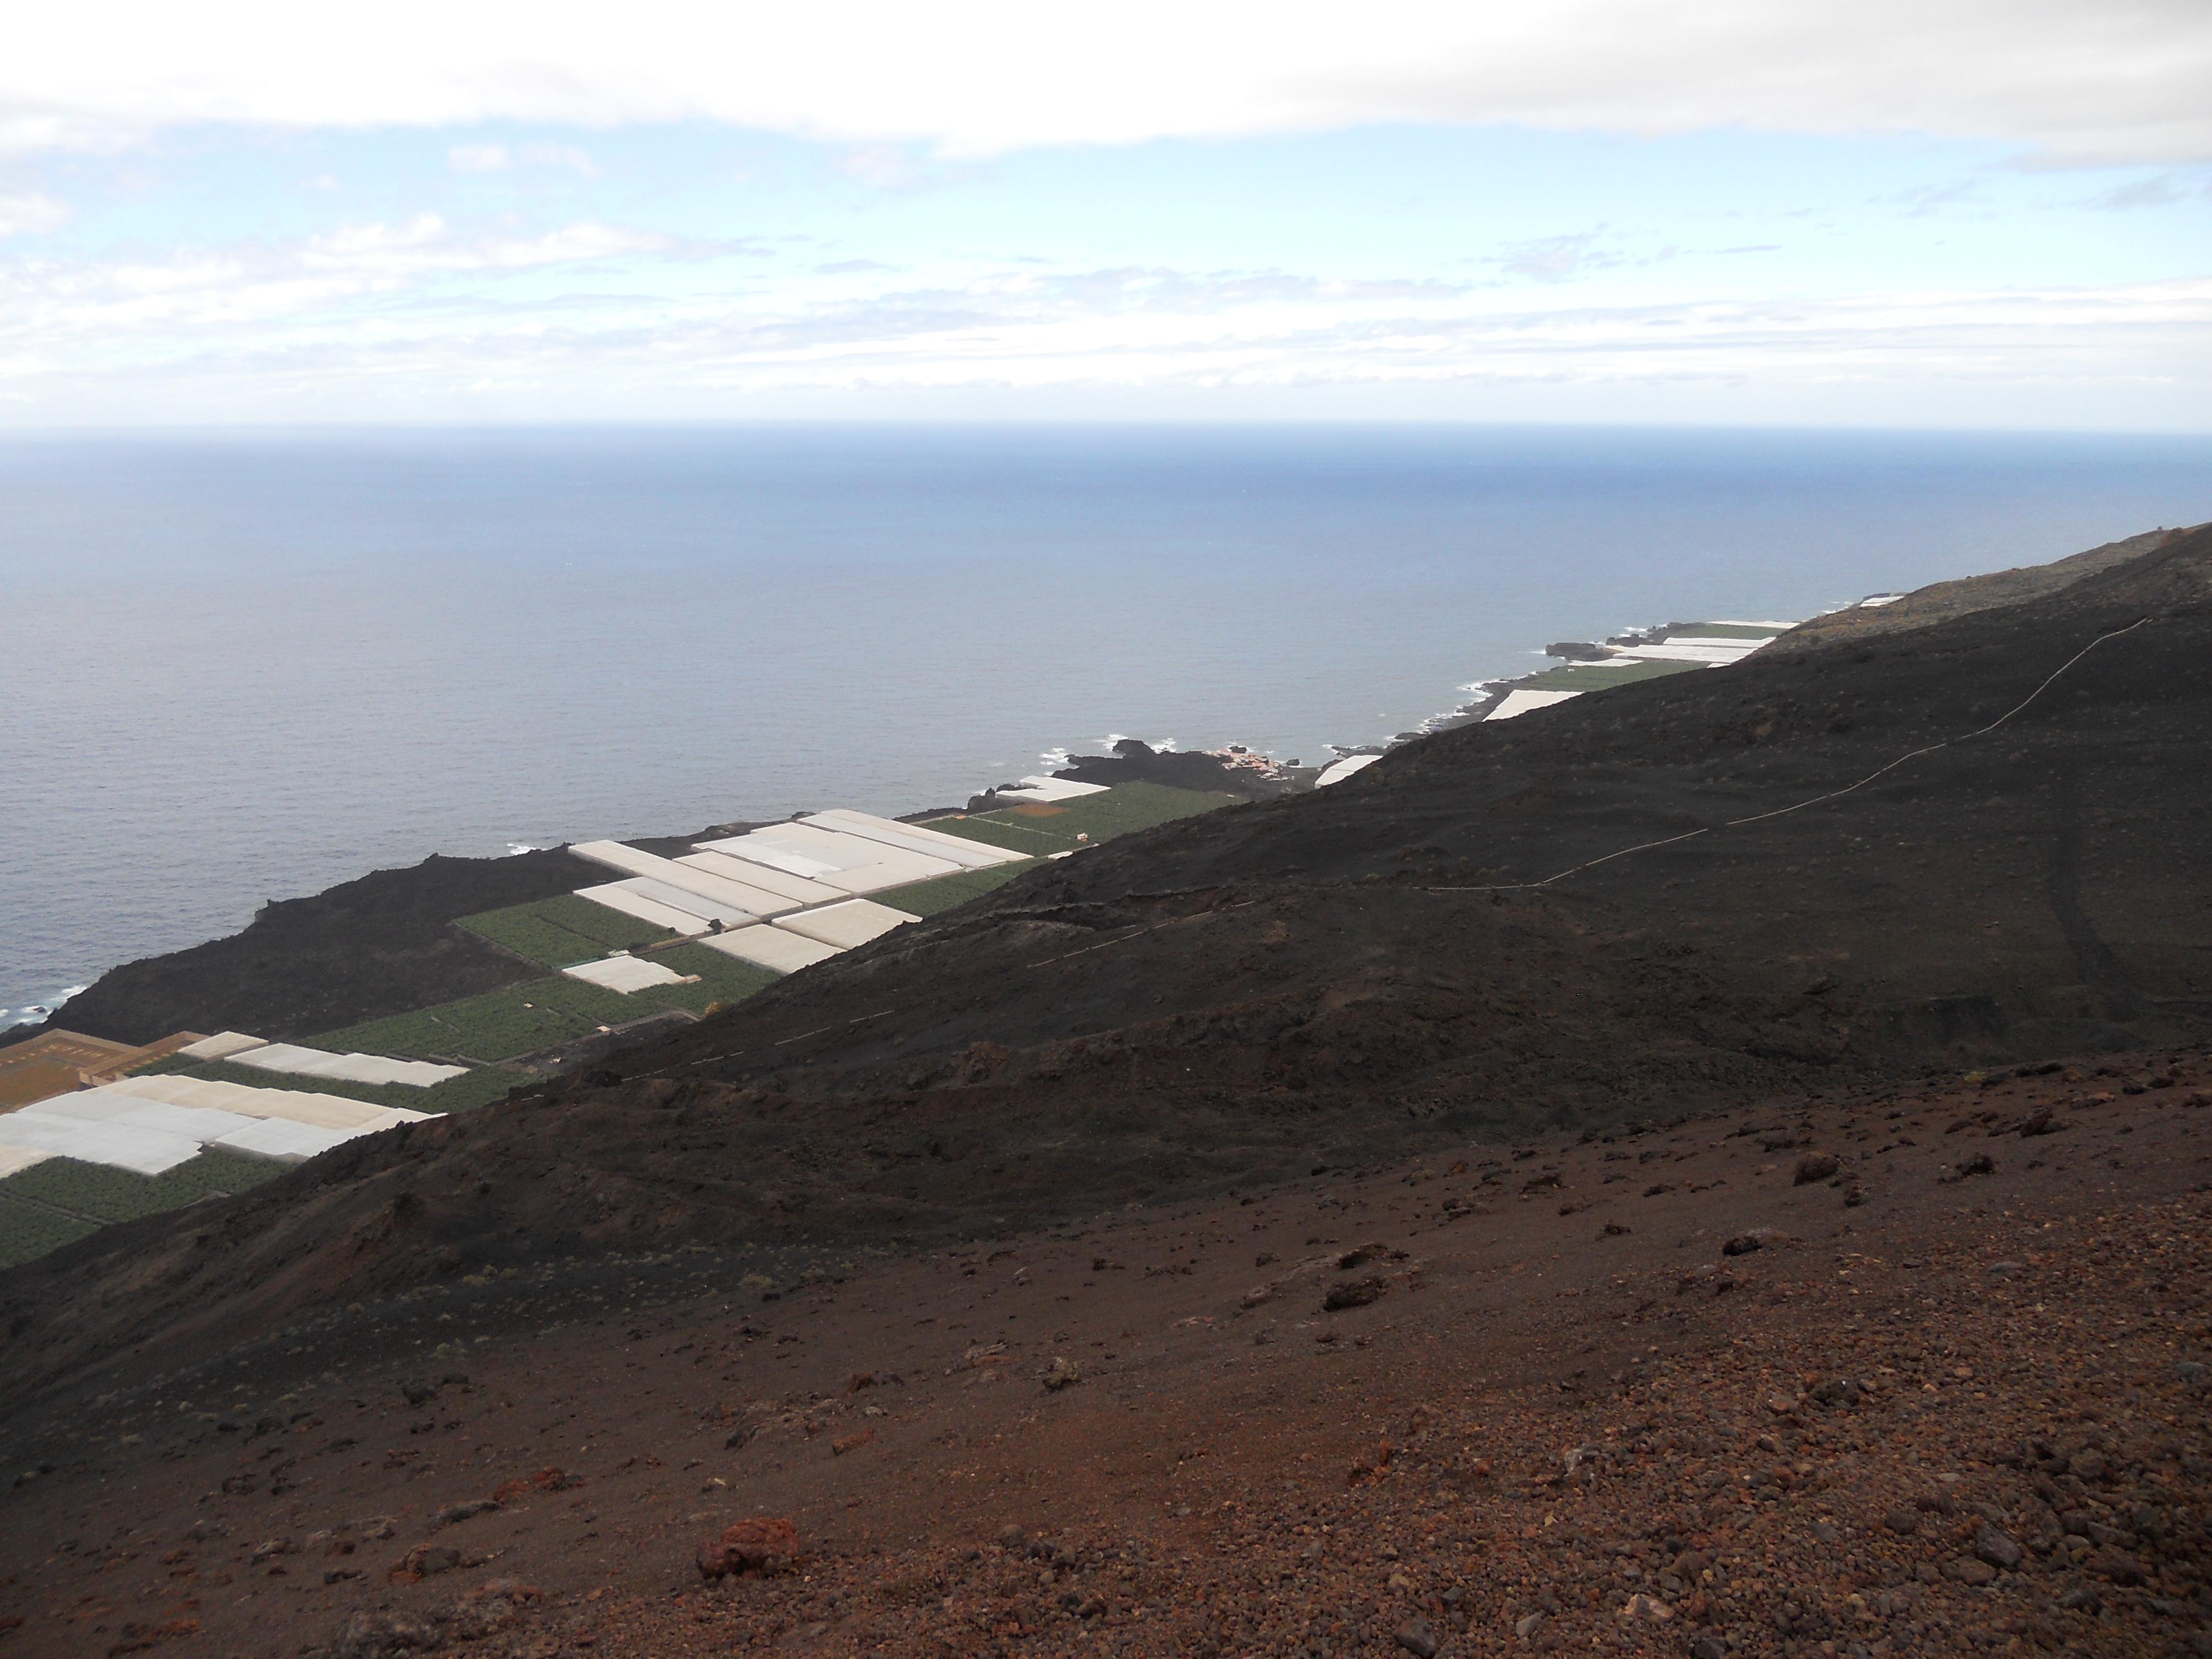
854 922
1046 790
913 838
771 948
197 1122
1338 771
790 891
353 1067
222 1046
679 898
623 974
850 863
738 892
284 1140
323 1112
145 1152
1720 647
1710 656
616 856
14 1160
1518 703
616 895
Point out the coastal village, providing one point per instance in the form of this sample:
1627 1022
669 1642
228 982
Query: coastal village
93 1132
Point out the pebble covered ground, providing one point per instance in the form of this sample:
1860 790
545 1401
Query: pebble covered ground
1880 1374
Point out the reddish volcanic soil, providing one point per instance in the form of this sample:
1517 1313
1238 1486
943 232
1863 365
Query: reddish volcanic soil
1933 1410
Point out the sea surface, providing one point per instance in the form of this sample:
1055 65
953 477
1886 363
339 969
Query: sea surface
245 667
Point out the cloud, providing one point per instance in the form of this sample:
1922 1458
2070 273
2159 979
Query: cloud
504 158
2165 190
389 317
29 213
479 158
1555 258
2115 80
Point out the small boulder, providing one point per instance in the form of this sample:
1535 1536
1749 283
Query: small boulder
379 1634
426 1560
763 1544
1356 1294
1417 1638
1815 1166
1063 1372
1998 1548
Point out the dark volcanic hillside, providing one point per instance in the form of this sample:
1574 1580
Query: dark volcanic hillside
379 945
1342 977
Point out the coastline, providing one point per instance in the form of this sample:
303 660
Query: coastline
1573 668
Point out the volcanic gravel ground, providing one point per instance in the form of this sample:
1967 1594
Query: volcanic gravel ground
1930 1407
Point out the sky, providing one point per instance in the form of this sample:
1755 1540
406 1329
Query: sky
1951 213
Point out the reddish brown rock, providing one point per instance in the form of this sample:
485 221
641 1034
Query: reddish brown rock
763 1544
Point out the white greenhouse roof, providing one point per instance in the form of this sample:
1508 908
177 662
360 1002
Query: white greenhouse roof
771 947
144 1151
915 838
850 863
1045 790
625 974
1523 701
323 1112
14 1160
222 1046
352 1068
844 925
280 1138
780 889
617 895
1338 771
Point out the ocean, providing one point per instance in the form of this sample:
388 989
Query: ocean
246 665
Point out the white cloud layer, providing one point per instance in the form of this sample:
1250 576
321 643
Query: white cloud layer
383 316
31 211
2077 80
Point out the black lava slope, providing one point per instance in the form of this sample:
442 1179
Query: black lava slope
1339 976
379 945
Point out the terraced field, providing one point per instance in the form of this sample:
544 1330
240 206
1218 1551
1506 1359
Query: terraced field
562 931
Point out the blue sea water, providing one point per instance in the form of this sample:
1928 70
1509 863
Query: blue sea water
244 667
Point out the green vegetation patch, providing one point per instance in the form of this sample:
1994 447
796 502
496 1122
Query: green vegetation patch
522 1018
27 1233
98 1192
1723 631
562 931
1595 676
95 1194
943 893
481 1029
1122 808
722 979
995 829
